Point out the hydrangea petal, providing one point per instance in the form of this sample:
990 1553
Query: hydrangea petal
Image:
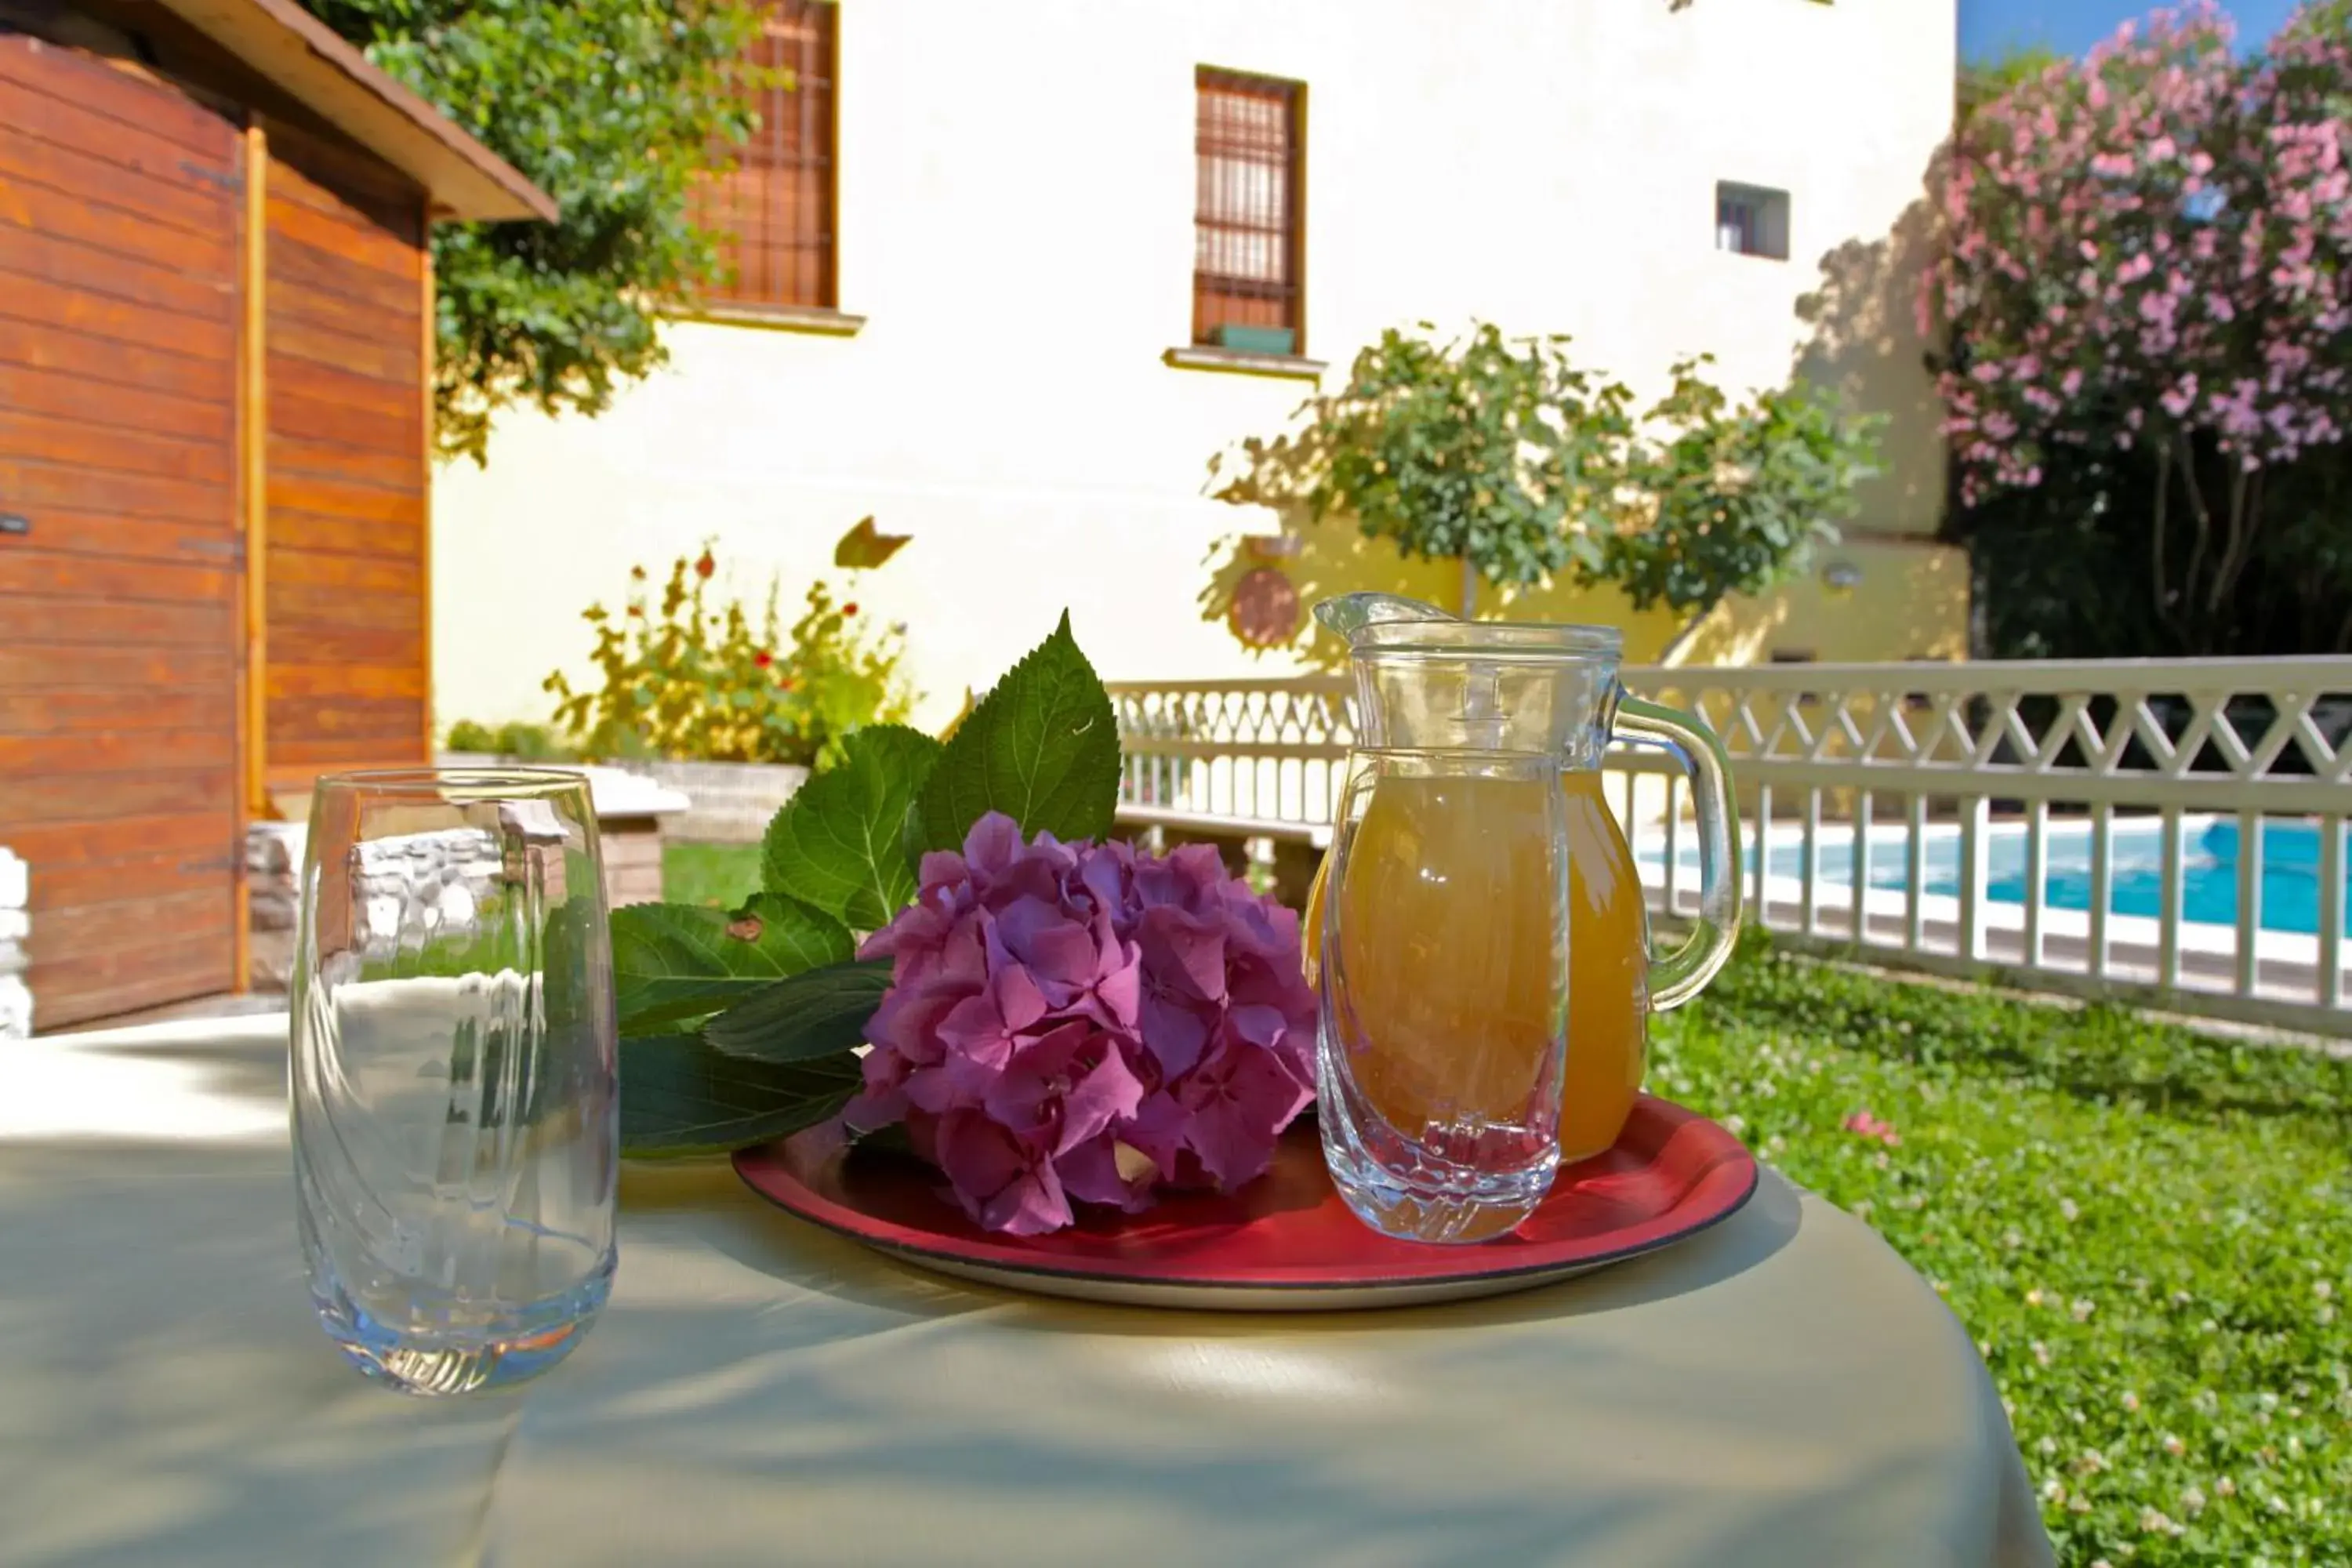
1240 1101
991 846
1003 1183
1090 1173
1081 1022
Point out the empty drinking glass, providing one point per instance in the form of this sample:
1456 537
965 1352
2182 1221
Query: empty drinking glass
455 1104
1444 980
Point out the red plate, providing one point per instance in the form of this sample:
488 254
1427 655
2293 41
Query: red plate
1285 1243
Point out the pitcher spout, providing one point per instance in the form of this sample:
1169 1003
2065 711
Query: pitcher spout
1349 614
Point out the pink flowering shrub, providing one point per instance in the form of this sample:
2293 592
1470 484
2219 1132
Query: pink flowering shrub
2149 252
1077 1022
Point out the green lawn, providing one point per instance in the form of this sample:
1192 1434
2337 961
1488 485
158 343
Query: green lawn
2149 1231
722 874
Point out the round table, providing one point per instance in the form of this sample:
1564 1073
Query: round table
1780 1390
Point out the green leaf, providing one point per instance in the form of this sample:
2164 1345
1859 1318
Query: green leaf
680 1097
674 962
819 1013
1043 748
810 938
836 843
865 547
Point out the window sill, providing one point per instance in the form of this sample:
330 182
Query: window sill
779 318
1232 362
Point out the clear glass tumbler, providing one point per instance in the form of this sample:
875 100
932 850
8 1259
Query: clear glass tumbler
455 1095
1444 981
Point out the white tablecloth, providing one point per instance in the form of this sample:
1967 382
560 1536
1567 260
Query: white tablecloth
1781 1390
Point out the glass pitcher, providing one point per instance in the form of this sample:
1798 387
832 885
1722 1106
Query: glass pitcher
1425 681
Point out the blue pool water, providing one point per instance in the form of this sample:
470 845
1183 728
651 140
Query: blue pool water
2209 855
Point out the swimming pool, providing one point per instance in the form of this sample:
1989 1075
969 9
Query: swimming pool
2208 857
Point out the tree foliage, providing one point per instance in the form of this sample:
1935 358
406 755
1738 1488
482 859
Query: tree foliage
1988 81
1495 451
1735 494
613 107
1500 453
2148 280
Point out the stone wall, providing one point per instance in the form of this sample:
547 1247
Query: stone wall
273 869
420 886
731 801
412 887
15 925
433 882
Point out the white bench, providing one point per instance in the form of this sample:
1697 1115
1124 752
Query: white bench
16 928
1288 851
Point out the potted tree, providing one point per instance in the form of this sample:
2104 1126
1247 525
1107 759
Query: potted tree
1501 454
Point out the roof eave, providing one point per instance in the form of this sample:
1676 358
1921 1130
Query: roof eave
285 43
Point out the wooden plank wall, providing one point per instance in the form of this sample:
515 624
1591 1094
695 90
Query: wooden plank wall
120 606
345 579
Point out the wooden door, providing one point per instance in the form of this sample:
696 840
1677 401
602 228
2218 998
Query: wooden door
345 577
120 576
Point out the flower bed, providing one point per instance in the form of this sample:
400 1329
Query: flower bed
683 678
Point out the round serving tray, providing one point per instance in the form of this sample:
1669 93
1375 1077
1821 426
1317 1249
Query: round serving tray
1286 1242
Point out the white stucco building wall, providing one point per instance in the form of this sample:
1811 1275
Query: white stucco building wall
1015 221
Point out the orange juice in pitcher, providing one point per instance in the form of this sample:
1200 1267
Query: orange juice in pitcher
1427 681
1608 950
1441 1058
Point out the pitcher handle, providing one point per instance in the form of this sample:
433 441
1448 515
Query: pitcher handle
1680 976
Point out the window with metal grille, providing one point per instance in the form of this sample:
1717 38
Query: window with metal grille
1249 213
773 212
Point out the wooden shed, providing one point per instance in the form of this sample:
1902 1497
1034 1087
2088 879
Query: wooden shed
215 340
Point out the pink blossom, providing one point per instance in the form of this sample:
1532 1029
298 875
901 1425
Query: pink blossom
1004 1182
2155 222
1077 1022
1863 1124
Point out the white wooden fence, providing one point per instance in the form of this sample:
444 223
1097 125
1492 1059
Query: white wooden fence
2163 832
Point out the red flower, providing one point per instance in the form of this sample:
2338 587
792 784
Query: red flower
1868 1126
850 608
764 658
706 565
787 683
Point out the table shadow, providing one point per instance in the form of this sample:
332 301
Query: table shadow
858 1436
169 1396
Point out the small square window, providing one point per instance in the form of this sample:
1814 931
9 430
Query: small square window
1753 220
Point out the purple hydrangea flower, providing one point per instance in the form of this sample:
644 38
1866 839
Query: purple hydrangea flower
1077 1022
